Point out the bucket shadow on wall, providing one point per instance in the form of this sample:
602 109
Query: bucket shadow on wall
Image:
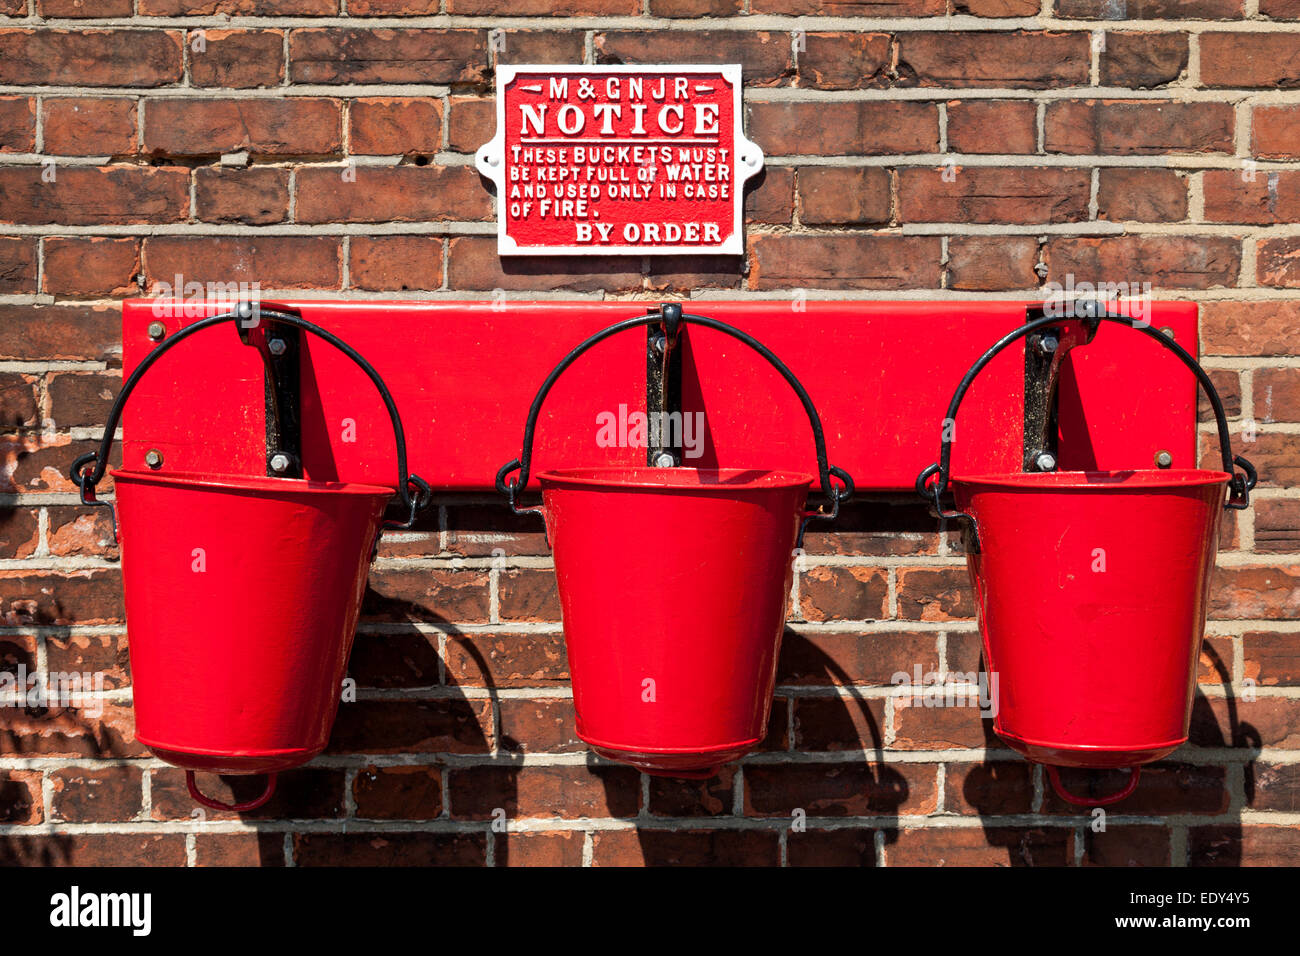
1175 786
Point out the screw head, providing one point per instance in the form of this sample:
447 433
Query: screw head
153 458
157 330
659 343
665 459
1045 461
277 346
1164 459
279 462
1048 344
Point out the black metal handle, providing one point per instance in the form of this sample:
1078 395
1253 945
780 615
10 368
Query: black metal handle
670 318
86 479
1239 484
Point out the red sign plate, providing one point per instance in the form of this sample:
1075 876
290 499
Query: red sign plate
619 159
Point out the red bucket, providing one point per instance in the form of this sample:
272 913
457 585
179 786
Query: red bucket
1091 590
673 587
242 596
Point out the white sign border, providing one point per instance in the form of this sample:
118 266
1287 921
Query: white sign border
746 162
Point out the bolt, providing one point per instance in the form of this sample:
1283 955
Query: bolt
1164 459
153 458
279 463
157 330
659 343
1048 344
1045 461
277 346
665 459
1040 270
1167 331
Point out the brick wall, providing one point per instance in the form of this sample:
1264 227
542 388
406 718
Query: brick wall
1151 140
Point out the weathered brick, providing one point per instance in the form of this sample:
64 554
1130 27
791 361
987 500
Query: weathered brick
1250 60
358 848
60 332
277 262
986 846
1249 328
90 57
843 593
1277 525
1180 262
1275 132
107 849
1259 197
96 794
1277 263
413 726
862 128
1255 592
398 793
256 196
240 8
1138 127
17 408
473 263
986 194
840 789
81 398
1143 59
694 847
562 792
1016 59
391 194
17 265
97 654
83 126
395 263
844 262
845 61
470 123
1144 195
20 798
1242 845
273 127
76 9
766 55
87 195
934 594
852 8
91 266
238 59
506 660
1149 9
849 659
386 126
17 124
992 126
376 55
990 264
834 195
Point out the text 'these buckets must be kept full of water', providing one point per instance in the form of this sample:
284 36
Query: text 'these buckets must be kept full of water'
1091 590
673 586
242 597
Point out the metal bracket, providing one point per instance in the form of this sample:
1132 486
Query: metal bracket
280 346
663 385
1045 352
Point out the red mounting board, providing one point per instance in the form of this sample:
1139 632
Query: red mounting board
463 375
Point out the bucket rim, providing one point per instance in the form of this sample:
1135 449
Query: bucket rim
224 482
675 479
1099 480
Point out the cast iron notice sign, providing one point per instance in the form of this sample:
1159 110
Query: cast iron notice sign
619 159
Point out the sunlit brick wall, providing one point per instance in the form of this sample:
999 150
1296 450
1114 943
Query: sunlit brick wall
915 149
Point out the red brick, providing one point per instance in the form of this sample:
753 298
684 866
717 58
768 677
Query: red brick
1127 846
90 57
981 846
66 732
73 333
456 595
1250 60
547 8
386 126
473 264
767 56
104 654
1264 198
475 531
17 403
395 263
934 594
997 8
1176 262
844 128
563 792
96 794
987 194
238 59
1243 845
864 528
1151 9
834 723
1280 9
80 126
244 8
1165 788
1138 127
695 8
471 123
90 266
563 848
1142 195
1006 60
506 660
539 725
1277 525
81 398
836 195
1277 263
1276 786
843 593
992 126
106 849
1275 454
256 196
17 124
848 659
392 8
74 597
918 727
20 535
277 262
988 789
391 194
541 46
87 195
413 726
694 847
1249 328
991 264
357 848
846 846
840 789
239 849
398 793
675 797
302 794
844 262
1143 60
378 55
17 265
20 798
1275 132
845 61
296 125
852 8
76 9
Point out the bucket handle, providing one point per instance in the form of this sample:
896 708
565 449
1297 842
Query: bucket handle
1134 773
1239 483
835 496
211 804
249 315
